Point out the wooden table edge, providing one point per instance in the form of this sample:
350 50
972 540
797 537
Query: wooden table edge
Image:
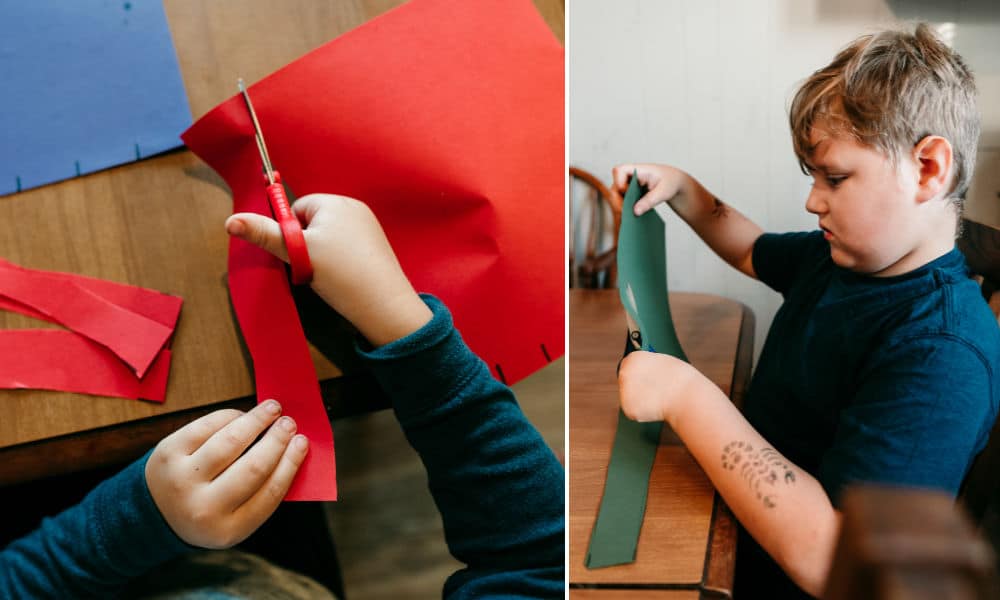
720 555
123 442
719 572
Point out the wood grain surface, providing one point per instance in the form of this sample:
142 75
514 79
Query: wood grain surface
678 534
578 594
158 223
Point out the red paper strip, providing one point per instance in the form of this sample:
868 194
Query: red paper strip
52 359
66 361
155 305
447 119
14 306
283 367
134 338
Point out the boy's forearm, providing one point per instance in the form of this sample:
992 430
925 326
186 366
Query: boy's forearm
497 485
784 508
726 231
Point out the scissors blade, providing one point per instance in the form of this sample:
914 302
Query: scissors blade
258 134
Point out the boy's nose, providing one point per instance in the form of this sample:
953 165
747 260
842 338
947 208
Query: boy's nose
816 203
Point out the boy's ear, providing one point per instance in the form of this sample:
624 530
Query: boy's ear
934 158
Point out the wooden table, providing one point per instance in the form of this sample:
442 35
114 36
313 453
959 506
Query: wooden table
687 545
158 223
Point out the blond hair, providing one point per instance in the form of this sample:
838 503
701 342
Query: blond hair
889 90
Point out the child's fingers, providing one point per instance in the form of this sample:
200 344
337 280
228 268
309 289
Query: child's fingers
620 176
267 498
226 445
647 202
189 438
243 478
260 231
306 207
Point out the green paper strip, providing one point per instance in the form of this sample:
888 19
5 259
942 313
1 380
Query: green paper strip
616 531
642 284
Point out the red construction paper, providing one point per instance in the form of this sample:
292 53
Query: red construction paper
446 117
137 340
15 306
65 361
53 359
152 304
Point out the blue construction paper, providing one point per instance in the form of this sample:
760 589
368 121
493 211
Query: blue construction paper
88 84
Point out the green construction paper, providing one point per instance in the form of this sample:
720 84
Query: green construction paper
642 276
642 284
619 519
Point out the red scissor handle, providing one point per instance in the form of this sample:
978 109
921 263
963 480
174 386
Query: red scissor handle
291 231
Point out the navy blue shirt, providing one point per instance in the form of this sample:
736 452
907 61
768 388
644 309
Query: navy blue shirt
878 379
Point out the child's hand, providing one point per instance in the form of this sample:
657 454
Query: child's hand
355 269
653 387
212 494
662 181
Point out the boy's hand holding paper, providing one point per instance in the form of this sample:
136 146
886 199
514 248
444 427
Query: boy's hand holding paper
653 386
213 485
662 183
355 269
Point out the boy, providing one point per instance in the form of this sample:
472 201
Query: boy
499 488
883 363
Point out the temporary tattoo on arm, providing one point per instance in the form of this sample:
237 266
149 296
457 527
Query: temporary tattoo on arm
720 209
764 470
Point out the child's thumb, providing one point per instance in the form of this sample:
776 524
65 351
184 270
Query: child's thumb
259 230
646 203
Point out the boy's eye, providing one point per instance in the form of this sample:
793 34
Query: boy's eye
835 180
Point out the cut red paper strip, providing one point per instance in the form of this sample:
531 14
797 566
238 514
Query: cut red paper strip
15 306
52 359
134 338
66 361
262 301
283 367
446 118
152 304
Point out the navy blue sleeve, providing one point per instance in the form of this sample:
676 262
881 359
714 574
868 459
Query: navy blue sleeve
779 258
92 549
499 488
922 412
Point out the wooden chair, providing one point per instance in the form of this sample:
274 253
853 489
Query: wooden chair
593 208
898 543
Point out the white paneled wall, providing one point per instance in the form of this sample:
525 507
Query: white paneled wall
704 85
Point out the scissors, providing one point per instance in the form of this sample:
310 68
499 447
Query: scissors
291 230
